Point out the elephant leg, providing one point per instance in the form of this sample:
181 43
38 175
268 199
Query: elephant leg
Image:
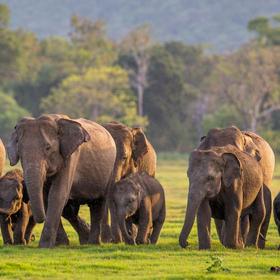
21 225
232 237
57 199
6 230
115 228
265 224
70 213
61 236
245 227
31 224
256 220
204 225
106 235
145 222
157 226
219 228
96 215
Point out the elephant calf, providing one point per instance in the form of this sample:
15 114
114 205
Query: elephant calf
140 200
276 211
15 214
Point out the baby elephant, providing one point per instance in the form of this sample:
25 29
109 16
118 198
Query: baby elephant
276 211
16 218
139 200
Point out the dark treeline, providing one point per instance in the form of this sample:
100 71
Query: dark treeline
176 91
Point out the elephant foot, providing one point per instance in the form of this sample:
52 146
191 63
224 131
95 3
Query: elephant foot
204 247
106 235
47 242
183 242
94 239
130 241
20 242
46 245
235 246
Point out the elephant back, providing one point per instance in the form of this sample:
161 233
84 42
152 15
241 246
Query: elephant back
267 161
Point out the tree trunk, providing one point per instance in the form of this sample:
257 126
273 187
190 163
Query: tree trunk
140 93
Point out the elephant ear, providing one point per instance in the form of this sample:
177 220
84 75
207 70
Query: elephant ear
71 135
232 169
139 142
12 149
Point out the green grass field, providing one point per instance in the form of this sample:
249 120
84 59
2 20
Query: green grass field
163 261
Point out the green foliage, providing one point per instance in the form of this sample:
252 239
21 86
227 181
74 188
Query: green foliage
216 265
268 29
10 113
100 94
90 40
4 16
171 94
225 115
273 138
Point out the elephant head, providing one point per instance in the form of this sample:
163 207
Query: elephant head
11 192
220 137
131 146
208 172
127 198
43 146
140 144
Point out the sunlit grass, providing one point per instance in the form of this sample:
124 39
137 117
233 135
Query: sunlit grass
163 261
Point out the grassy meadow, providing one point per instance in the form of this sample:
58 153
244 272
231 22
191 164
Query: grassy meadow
163 261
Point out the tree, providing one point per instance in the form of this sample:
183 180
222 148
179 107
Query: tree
137 44
91 42
100 94
173 90
267 29
248 80
4 16
10 113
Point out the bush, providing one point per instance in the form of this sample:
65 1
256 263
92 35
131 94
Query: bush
10 113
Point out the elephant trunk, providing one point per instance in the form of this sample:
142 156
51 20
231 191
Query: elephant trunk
194 201
34 178
122 224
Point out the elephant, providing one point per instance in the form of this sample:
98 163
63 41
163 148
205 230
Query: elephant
63 160
145 161
2 157
16 217
134 153
224 183
256 146
140 200
276 212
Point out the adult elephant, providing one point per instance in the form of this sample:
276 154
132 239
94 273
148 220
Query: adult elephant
227 184
75 158
134 153
2 157
257 147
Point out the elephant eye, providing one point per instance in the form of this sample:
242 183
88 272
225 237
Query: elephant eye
210 178
48 147
131 200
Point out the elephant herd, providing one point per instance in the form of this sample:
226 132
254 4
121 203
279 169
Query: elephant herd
111 168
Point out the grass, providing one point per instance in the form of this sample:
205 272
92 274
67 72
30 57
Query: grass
163 261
